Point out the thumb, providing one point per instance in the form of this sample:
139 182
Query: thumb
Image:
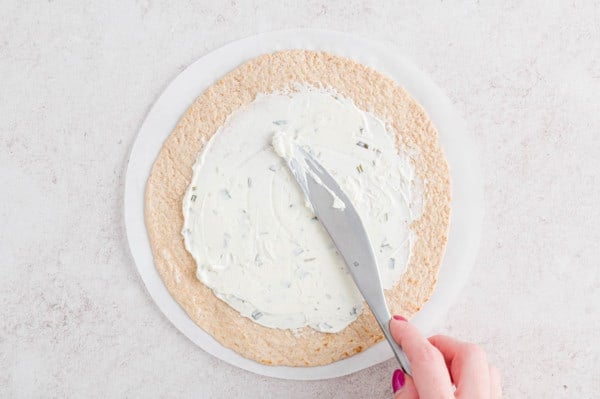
403 386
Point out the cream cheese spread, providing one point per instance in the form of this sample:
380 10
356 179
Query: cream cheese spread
283 145
258 245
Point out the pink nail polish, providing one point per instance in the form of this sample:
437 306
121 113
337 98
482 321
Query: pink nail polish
396 317
397 380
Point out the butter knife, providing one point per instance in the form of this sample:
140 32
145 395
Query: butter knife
347 231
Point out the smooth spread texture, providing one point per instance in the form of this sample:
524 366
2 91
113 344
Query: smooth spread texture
286 147
256 243
172 174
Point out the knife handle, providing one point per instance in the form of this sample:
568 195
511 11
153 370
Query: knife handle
383 318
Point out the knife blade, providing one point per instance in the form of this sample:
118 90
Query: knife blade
336 213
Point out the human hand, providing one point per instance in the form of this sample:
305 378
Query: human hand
438 364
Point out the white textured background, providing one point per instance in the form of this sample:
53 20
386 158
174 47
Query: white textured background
76 81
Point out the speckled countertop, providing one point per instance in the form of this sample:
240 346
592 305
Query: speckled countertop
76 81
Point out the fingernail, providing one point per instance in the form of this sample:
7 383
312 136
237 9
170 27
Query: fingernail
396 317
397 380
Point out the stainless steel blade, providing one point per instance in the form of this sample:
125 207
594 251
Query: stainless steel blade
349 236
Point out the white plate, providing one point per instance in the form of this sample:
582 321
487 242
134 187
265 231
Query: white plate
467 208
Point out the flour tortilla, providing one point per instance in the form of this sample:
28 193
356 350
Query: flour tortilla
172 173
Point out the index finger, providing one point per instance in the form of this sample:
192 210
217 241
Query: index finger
429 370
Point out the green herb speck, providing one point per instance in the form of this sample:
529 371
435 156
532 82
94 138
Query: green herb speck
256 315
392 263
